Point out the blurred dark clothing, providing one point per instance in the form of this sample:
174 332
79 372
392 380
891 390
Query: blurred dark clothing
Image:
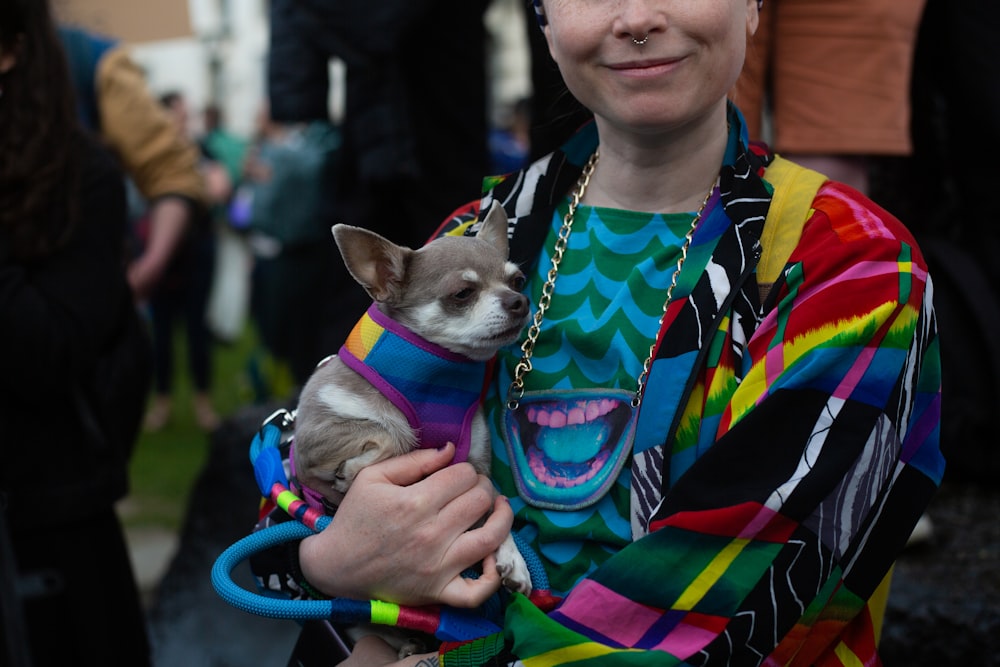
59 313
956 125
415 92
292 299
182 296
294 280
60 477
415 110
85 594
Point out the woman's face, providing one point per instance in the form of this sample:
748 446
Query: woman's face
692 56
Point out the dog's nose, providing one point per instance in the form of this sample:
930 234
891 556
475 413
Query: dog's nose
516 304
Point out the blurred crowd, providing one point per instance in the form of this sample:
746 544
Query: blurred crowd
226 236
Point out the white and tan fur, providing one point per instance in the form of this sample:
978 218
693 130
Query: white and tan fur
461 293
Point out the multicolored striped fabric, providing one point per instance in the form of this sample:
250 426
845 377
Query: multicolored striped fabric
804 449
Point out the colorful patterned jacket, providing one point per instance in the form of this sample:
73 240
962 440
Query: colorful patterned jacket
770 507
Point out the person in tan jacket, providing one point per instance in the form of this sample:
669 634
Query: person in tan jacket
164 164
115 100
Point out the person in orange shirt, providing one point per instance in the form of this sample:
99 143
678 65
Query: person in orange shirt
827 83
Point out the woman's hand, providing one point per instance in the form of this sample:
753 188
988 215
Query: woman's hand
403 534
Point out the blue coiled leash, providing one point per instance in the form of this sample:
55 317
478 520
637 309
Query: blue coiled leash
445 623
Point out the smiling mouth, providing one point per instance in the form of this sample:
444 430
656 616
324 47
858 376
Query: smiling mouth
645 67
569 450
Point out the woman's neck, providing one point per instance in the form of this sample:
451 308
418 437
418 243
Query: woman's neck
657 174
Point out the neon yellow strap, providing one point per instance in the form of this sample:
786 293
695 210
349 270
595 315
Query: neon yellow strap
795 188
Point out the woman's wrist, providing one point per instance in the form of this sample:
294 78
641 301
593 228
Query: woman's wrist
313 566
300 578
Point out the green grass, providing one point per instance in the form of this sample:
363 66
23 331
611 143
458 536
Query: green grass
166 463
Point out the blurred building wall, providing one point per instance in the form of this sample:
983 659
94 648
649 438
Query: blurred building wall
127 19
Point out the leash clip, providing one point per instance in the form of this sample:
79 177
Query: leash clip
284 420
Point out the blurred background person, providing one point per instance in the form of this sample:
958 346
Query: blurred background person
510 139
115 101
286 174
71 399
229 296
162 166
222 146
181 294
827 83
408 151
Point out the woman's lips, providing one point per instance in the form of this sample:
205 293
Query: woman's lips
645 68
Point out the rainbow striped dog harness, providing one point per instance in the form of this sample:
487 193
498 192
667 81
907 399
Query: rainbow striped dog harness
438 390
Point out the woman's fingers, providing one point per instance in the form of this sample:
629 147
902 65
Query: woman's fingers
468 593
438 493
475 545
465 509
406 531
411 467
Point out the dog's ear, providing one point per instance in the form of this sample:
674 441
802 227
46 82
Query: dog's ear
378 264
494 229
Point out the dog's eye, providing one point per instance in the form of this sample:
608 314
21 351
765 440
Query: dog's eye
463 294
517 282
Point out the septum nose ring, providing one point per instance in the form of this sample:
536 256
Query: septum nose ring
640 42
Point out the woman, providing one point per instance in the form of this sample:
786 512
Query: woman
63 297
754 462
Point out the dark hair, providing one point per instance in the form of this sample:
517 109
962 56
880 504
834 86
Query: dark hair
39 133
169 98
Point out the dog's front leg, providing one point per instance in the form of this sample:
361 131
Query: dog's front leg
510 563
512 568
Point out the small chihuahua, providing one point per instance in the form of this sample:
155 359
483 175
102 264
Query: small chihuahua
413 370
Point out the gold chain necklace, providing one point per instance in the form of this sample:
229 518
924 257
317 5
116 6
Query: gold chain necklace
516 390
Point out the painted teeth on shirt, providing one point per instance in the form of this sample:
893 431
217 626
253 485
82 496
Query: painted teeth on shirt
581 412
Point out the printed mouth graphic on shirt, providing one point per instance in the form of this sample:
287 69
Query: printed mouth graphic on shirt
567 448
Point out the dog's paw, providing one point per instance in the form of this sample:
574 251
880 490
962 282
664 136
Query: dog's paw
512 568
412 646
